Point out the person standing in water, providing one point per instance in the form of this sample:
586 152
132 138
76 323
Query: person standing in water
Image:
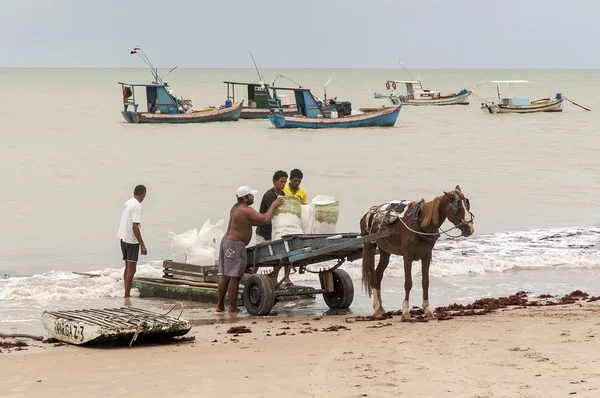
131 236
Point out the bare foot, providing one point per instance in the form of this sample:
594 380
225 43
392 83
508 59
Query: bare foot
234 310
220 309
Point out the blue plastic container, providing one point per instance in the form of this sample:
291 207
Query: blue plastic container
172 111
228 103
558 96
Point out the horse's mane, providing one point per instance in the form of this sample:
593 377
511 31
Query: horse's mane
431 210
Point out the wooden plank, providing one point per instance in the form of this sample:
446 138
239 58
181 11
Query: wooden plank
202 269
355 242
181 282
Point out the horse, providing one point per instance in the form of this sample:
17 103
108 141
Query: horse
415 230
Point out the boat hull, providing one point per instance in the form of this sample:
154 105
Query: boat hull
449 99
541 106
254 113
85 326
212 114
382 118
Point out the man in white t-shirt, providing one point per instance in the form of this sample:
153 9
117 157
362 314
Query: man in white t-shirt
131 236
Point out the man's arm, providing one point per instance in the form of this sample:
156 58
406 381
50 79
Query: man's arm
263 219
138 234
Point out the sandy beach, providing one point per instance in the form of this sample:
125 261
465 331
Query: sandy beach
517 352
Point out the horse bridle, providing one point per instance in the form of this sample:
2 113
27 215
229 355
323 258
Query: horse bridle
456 207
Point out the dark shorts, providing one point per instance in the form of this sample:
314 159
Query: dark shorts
130 251
232 258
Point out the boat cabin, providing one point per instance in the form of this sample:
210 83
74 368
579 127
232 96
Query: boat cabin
158 98
414 89
256 93
518 88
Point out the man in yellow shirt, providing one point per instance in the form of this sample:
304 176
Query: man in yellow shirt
293 187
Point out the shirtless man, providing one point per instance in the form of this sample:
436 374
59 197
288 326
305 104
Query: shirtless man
232 253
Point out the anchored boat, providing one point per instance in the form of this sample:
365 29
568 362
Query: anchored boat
94 325
163 107
257 106
314 115
516 103
416 94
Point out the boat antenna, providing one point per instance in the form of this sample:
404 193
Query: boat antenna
325 89
143 56
168 72
262 84
287 78
411 76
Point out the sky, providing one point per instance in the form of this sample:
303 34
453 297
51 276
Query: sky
431 34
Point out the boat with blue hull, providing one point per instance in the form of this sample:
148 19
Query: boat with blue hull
316 114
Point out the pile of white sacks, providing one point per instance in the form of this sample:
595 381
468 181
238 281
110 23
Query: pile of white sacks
198 247
319 217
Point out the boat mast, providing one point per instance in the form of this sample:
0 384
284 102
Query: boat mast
411 76
154 70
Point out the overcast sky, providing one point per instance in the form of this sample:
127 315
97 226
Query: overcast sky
302 33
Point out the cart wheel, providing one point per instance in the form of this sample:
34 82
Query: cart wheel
259 294
343 290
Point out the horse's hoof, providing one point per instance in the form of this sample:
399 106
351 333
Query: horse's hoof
406 318
429 316
379 315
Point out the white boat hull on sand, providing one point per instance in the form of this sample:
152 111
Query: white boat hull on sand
84 326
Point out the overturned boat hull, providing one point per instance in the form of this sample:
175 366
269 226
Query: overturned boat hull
385 117
91 325
210 114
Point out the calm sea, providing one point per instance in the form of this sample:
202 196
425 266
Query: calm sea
69 162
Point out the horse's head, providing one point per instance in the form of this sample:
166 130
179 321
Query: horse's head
458 211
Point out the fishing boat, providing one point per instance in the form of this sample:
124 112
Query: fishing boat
163 107
95 325
516 103
315 114
417 95
257 106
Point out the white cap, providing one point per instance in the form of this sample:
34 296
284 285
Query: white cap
244 190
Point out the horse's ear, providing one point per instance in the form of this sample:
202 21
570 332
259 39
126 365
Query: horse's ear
449 195
458 189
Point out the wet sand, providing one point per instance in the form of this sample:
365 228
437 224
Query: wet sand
515 352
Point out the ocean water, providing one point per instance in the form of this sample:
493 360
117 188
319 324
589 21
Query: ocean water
69 162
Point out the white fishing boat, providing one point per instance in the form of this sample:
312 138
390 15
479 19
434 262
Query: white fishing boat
519 101
417 95
91 325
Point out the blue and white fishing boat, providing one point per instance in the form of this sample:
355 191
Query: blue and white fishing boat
163 107
316 114
417 95
519 101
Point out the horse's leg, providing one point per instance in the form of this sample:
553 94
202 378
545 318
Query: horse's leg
425 261
407 287
384 260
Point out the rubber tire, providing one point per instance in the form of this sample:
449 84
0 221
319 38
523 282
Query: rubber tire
259 294
343 293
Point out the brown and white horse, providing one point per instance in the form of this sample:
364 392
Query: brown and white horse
415 232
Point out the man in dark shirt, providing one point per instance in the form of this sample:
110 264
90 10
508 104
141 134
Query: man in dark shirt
263 232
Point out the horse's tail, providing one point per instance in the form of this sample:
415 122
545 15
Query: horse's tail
369 278
368 275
